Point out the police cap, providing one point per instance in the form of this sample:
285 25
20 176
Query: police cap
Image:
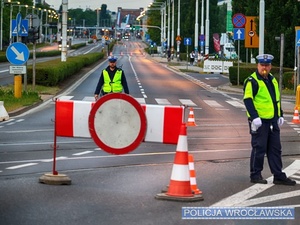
264 58
112 58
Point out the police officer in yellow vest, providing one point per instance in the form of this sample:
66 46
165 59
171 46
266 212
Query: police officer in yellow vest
112 79
265 116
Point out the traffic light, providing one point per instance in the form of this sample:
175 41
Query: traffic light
33 34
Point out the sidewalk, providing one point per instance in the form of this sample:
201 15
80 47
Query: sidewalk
288 101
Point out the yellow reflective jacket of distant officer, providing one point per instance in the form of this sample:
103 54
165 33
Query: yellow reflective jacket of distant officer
115 85
112 79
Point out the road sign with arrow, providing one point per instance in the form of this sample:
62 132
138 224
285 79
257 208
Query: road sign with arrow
251 37
17 53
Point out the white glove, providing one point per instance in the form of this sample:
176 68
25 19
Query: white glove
256 123
280 121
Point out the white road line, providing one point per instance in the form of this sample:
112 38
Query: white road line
57 158
243 196
236 104
3 71
187 102
21 166
65 97
162 101
213 103
83 153
141 100
270 198
88 99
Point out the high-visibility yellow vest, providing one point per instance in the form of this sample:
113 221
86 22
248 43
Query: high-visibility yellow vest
115 85
262 100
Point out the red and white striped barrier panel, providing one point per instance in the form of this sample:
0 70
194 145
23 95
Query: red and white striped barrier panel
163 122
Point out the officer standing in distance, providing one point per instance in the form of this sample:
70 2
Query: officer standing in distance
265 116
112 79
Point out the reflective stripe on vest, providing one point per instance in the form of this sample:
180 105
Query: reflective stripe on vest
112 86
263 100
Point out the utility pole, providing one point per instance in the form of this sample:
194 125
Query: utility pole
261 26
207 29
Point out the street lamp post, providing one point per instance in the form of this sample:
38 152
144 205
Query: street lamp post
178 31
261 26
207 29
202 27
10 16
196 32
173 22
169 23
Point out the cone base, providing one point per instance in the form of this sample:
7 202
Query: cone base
60 179
191 125
296 121
193 198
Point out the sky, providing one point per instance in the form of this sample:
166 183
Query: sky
112 5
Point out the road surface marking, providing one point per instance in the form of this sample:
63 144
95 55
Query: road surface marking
162 101
241 197
213 103
187 102
21 166
236 104
83 153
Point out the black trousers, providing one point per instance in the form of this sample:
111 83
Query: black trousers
266 141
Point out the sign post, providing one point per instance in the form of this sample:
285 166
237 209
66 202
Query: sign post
239 21
296 81
187 42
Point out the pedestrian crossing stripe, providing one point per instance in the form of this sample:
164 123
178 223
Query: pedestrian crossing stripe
163 101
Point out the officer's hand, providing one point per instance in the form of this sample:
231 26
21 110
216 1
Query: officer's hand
280 121
257 122
96 97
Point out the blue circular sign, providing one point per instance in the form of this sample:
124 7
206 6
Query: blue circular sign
17 53
238 20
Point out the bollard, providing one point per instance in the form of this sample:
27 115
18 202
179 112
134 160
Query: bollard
18 86
298 96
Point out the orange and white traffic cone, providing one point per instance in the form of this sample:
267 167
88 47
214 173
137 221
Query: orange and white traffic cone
193 181
179 188
296 116
191 119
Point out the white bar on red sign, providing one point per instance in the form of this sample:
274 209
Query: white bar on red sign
81 118
155 123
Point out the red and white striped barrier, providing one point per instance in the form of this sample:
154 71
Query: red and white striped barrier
163 122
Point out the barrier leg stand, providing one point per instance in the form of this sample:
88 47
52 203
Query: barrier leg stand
55 178
179 188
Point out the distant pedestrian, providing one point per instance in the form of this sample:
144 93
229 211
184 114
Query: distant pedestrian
169 55
112 80
192 58
265 116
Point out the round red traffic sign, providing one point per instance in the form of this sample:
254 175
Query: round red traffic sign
239 20
117 123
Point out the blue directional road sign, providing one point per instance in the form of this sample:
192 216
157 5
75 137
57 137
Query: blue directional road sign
298 38
239 33
187 41
17 53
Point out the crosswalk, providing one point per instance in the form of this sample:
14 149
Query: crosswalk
219 105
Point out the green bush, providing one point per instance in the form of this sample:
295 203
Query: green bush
247 70
288 80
